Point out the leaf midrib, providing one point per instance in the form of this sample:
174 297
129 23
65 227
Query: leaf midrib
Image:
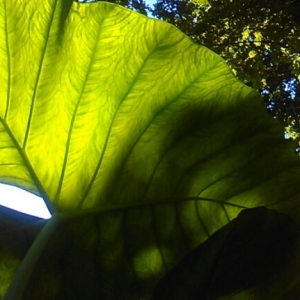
29 167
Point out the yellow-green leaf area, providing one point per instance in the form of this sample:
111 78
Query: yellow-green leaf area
257 38
103 107
252 53
80 85
246 33
201 2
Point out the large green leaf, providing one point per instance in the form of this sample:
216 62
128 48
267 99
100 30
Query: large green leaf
122 118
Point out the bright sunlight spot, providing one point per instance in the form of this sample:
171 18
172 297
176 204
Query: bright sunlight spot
25 202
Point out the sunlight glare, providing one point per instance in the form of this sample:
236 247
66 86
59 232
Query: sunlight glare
23 201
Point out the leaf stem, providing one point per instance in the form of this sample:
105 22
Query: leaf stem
20 280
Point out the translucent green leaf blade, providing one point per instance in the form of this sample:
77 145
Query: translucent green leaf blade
103 108
88 103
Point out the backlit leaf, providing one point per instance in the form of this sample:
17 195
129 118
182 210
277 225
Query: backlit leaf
143 138
252 53
257 38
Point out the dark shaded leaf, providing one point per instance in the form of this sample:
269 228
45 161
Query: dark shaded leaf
247 251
